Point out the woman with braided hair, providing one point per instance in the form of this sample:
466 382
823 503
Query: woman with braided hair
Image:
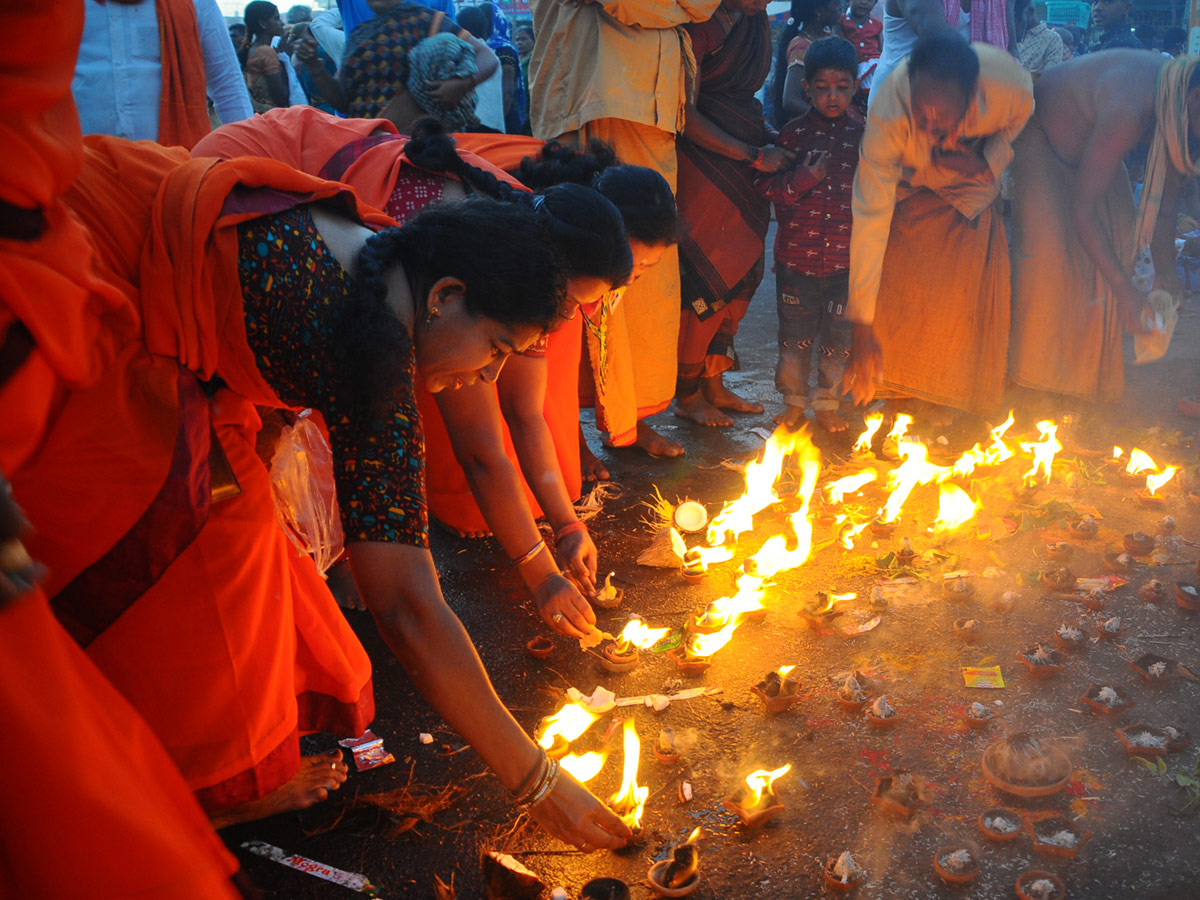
501 455
256 284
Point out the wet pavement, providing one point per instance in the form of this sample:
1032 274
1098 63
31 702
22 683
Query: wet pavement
1140 848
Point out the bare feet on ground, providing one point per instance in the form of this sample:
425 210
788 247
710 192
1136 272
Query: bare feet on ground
791 417
318 776
592 468
456 532
696 408
655 444
830 420
721 397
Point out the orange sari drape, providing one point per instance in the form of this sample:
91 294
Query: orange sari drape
366 154
183 107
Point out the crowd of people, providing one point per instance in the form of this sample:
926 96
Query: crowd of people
424 240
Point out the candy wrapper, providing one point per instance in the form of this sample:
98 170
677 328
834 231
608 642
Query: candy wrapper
368 750
977 677
351 880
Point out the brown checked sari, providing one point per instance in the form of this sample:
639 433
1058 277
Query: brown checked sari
724 218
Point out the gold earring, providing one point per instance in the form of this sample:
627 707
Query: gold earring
433 313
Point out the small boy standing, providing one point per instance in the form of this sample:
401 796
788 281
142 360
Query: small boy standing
812 244
865 32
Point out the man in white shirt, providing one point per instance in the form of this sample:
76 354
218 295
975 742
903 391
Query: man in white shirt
118 81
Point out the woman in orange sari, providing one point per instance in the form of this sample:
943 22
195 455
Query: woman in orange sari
260 285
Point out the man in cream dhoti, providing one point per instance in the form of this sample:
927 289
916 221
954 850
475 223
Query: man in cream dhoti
929 274
1075 233
618 70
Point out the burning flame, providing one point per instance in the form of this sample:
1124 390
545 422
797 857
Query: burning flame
966 463
863 444
1117 453
629 800
998 451
851 484
1154 482
955 508
760 781
831 601
899 428
1139 461
1043 451
784 671
583 768
640 636
694 836
712 555
916 469
736 516
570 722
773 557
708 644
849 533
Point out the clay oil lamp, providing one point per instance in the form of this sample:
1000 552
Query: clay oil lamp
710 620
882 529
958 588
1037 884
1155 670
906 554
1152 495
1139 543
605 889
956 865
690 517
881 714
842 873
540 647
694 655
621 655
1005 602
1026 766
1095 600
778 691
978 716
999 824
608 597
1166 525
1084 528
1153 591
757 803
1187 596
852 697
1058 578
679 875
1148 741
1069 638
1059 551
555 733
1110 628
1041 660
820 614
1055 837
694 568
1107 700
1120 563
896 794
665 750
970 630
630 798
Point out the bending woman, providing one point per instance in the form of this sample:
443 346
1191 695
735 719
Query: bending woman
263 283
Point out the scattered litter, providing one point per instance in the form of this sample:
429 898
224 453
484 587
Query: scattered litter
658 702
983 677
426 737
351 880
559 893
368 751
762 433
591 506
600 702
943 440
506 879
863 628
688 694
992 572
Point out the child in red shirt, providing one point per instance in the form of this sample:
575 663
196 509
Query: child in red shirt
865 32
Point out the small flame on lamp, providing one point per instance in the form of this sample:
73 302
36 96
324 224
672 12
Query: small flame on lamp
998 451
630 799
1139 462
1117 453
583 768
900 427
569 722
851 484
640 636
1043 450
1154 482
863 444
761 781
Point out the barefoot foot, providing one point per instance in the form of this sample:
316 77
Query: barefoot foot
655 444
830 420
696 408
791 417
318 776
592 468
718 395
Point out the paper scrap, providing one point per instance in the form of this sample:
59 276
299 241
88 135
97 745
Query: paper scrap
979 677
426 737
863 628
682 695
368 751
352 880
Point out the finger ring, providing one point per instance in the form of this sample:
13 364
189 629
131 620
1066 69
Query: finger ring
584 848
333 766
557 617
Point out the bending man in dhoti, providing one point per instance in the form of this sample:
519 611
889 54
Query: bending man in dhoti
1075 233
929 274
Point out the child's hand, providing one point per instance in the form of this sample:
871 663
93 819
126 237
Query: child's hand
774 159
817 163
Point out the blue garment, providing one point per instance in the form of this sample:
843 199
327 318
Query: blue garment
355 12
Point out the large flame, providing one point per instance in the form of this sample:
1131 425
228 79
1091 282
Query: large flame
773 557
1117 452
851 484
998 451
712 555
737 516
641 636
570 722
863 444
705 645
955 508
583 767
1043 450
849 533
1140 461
970 459
760 781
629 800
916 469
1155 481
